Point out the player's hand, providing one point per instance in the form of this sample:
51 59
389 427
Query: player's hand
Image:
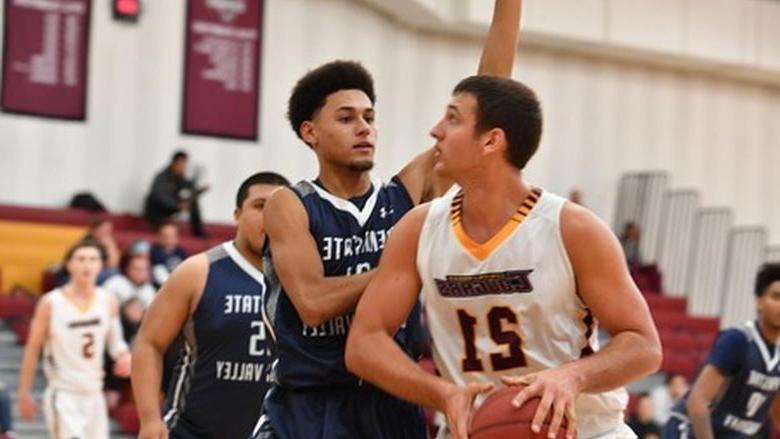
27 407
558 389
458 407
122 365
155 429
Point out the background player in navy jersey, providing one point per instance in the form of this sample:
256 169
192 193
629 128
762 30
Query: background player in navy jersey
214 301
739 383
326 236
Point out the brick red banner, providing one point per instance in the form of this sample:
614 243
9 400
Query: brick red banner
222 68
45 51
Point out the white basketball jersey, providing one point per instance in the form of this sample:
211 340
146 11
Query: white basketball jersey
76 343
508 306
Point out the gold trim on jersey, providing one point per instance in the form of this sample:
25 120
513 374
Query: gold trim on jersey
483 250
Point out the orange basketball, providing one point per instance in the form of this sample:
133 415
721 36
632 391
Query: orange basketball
497 418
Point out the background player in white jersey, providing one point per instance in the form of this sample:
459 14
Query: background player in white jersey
74 325
213 299
514 280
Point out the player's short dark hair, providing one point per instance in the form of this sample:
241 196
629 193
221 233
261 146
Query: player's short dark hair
767 274
309 94
511 106
87 242
178 155
267 177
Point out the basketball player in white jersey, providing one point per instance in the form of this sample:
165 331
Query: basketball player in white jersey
514 280
73 325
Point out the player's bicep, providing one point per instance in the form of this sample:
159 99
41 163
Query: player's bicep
39 326
602 276
173 303
295 256
393 291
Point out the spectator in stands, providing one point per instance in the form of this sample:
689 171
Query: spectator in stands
6 420
134 281
575 196
101 229
166 253
630 241
172 193
642 421
665 396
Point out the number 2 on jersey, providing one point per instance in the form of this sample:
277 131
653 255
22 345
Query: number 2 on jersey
508 358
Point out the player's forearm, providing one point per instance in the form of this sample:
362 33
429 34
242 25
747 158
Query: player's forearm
27 372
699 414
498 55
146 378
627 357
377 358
331 297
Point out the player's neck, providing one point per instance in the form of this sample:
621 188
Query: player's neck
490 200
771 334
246 251
345 183
79 289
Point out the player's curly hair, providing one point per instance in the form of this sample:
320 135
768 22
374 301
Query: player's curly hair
767 274
309 94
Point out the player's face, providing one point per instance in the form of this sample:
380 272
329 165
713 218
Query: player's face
342 132
249 216
85 265
769 306
457 147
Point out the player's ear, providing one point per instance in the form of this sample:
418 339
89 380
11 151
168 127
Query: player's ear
308 133
236 213
493 140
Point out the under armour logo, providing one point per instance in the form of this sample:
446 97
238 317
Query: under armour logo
383 212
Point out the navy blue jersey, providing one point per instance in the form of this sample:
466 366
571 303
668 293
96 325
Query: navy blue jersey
350 241
222 373
750 364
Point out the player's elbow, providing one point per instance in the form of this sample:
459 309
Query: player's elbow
311 313
352 353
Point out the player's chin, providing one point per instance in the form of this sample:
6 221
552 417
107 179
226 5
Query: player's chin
362 165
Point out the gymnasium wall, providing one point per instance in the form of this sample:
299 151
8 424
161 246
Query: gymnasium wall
604 115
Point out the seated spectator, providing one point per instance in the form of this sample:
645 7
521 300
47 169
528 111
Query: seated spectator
629 239
642 420
133 282
166 254
172 193
665 396
101 229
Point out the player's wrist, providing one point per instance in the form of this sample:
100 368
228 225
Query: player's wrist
445 391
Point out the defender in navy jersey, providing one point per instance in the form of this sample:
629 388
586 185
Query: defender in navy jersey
739 384
326 238
214 302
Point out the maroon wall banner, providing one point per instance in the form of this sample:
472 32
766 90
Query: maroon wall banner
222 68
45 47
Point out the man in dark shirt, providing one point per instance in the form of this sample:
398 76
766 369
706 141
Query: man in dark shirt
172 193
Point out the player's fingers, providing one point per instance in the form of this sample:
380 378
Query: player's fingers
518 380
559 410
476 389
525 394
542 410
571 421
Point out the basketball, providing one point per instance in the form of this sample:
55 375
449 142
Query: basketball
497 418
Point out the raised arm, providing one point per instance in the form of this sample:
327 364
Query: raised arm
297 262
498 58
163 321
498 54
39 328
604 284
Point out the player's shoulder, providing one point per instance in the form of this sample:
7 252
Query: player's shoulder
734 340
194 269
